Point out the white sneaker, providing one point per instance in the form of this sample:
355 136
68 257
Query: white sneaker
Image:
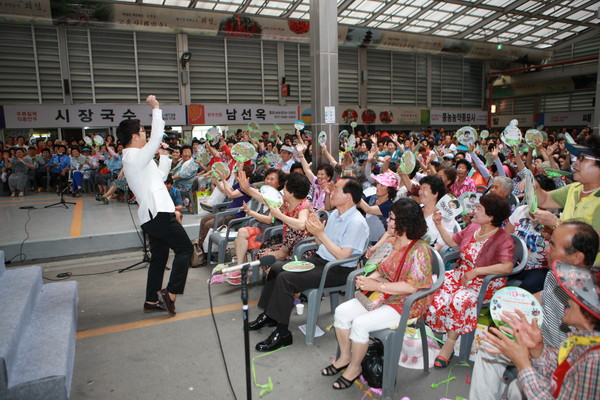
13 194
21 194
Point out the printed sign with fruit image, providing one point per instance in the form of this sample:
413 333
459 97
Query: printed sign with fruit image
368 116
349 115
386 117
240 26
299 27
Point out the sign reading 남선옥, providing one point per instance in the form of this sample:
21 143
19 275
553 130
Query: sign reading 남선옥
217 114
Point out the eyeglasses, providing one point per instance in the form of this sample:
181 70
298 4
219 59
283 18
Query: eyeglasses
582 157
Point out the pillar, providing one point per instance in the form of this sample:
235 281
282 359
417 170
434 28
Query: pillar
324 73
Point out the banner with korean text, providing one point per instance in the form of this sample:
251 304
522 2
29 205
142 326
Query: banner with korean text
457 117
567 119
224 114
86 115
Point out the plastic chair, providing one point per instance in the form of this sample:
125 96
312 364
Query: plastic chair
393 339
513 200
520 261
256 270
314 295
222 240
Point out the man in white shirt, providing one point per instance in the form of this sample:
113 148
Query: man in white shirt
287 158
156 209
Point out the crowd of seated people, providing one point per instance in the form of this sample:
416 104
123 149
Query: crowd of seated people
371 202
364 188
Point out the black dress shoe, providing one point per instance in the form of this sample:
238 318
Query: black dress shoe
165 300
275 341
148 308
261 321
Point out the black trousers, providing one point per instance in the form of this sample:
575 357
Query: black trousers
166 233
277 298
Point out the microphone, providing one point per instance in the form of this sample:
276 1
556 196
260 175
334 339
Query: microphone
266 260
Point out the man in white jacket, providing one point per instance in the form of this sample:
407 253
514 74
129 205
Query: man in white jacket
156 209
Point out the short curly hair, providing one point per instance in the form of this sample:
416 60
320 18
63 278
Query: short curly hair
496 207
298 185
409 218
281 176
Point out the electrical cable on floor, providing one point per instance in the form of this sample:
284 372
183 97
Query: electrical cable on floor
66 275
212 314
23 255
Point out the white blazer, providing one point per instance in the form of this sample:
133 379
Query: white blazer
145 178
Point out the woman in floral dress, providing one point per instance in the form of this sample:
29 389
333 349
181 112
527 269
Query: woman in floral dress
485 248
293 214
353 322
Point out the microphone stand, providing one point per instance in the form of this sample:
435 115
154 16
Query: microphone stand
246 330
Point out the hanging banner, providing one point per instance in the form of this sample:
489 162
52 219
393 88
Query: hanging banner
457 117
525 120
86 115
573 118
142 17
217 114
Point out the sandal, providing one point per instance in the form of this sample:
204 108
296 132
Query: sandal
104 200
344 383
442 362
331 370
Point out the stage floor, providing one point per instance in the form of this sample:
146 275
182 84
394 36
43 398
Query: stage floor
88 226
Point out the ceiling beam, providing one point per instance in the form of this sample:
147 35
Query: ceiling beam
345 4
414 17
527 14
583 35
490 18
292 8
383 9
242 8
548 23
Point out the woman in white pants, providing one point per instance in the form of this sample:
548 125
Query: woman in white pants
353 322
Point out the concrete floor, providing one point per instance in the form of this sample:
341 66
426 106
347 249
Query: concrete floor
123 353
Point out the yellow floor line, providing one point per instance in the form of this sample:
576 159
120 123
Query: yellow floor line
158 321
77 218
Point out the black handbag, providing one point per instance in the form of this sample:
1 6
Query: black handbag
372 364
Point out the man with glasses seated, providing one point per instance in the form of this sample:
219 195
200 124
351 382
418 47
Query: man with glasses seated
581 199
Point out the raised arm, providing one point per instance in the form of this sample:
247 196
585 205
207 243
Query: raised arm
300 148
246 188
480 166
158 128
329 157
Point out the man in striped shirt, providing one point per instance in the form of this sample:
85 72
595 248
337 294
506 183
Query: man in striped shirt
574 242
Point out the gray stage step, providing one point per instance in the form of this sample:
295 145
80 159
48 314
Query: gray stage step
46 351
37 335
19 289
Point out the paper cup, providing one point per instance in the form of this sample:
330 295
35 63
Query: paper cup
299 308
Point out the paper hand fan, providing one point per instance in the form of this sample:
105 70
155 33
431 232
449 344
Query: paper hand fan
272 196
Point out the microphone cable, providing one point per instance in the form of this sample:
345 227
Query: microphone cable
212 314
